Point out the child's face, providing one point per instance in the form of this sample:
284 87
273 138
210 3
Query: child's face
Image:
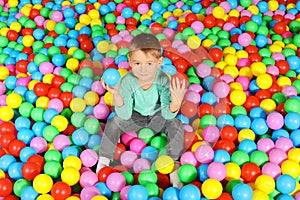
143 65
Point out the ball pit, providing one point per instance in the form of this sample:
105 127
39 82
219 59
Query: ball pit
240 113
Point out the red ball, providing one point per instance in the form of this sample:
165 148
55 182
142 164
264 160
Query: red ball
283 66
181 65
112 32
6 139
255 57
263 94
156 28
165 43
61 191
216 72
189 139
244 19
34 13
131 21
11 197
21 66
182 26
136 3
209 21
234 20
163 181
69 130
225 196
280 28
229 133
37 159
188 109
220 23
30 170
27 50
66 98
6 187
251 102
12 35
190 18
89 7
41 89
26 31
82 37
104 173
57 81
120 168
15 147
54 93
119 150
274 88
216 54
205 109
2 152
221 109
7 128
250 171
87 46
226 145
251 49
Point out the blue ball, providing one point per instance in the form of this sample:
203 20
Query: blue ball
94 141
37 76
127 12
49 114
104 190
184 119
85 30
29 193
38 128
22 122
169 69
279 133
292 121
89 110
208 82
68 12
225 120
295 137
257 112
247 146
70 151
112 6
202 172
38 34
221 156
150 153
26 135
32 67
111 77
59 60
263 6
156 7
87 82
294 62
80 137
15 170
253 87
189 192
284 197
171 193
173 25
26 152
285 184
6 161
138 192
261 40
70 22
60 41
73 34
21 90
242 192
104 9
80 8
259 126
10 82
196 8
242 122
209 98
79 91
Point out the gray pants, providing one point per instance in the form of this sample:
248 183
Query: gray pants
116 126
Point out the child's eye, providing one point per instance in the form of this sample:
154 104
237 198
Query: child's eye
137 64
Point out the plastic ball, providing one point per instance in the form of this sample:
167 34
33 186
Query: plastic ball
242 191
70 176
111 77
88 157
211 189
13 100
6 187
60 190
138 192
42 183
127 158
164 164
275 120
60 122
189 192
187 173
216 171
285 184
265 183
204 154
6 113
88 178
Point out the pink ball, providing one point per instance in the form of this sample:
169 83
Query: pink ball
289 91
227 78
297 197
57 70
98 88
244 81
169 33
275 120
203 70
88 158
226 6
192 97
3 100
277 156
221 89
39 20
211 134
271 169
204 154
120 7
87 193
183 49
127 137
115 39
195 87
56 104
127 38
127 158
101 111
188 158
124 192
243 62
46 68
217 171
137 145
278 56
120 20
244 39
115 181
39 144
228 26
265 145
123 33
273 70
197 26
2 88
284 144
177 43
188 128
107 61
60 142
143 8
57 16
88 178
141 164
23 81
124 64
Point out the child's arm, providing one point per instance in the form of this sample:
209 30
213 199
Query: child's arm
177 93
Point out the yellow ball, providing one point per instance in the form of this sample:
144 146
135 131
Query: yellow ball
207 43
91 98
246 134
253 9
94 14
196 145
238 97
85 19
212 188
246 71
258 68
28 40
16 26
234 13
290 167
70 176
273 5
103 46
4 31
242 54
4 72
77 105
259 195
229 50
50 25
72 50
13 3
42 183
164 164
99 197
265 183
232 71
264 81
72 64
235 86
284 81
194 42
48 78
26 10
96 22
113 47
218 12
6 113
73 198
268 105
233 171
231 59
108 99
14 100
32 83
177 12
60 122
294 154
72 161
122 72
45 197
2 174
42 102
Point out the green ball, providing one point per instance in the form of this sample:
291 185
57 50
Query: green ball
92 126
66 87
128 177
292 105
22 20
19 185
143 28
44 12
209 62
53 155
262 30
276 37
251 26
110 18
164 3
74 79
19 47
136 32
294 26
152 189
296 40
53 50
288 52
259 157
53 168
97 33
231 184
188 32
3 41
245 3
115 196
123 51
30 24
60 28
50 132
79 54
146 134
296 84
25 109
224 43
213 38
118 1
191 72
3 57
264 52
279 97
162 152
161 36
194 80
268 61
78 119
111 54
67 113
238 110
37 46
49 40
216 30
12 44
136 16
208 120
147 176
223 34
240 158
187 173
120 27
159 142
37 114
65 72
86 72
40 58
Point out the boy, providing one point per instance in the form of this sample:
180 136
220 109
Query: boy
145 98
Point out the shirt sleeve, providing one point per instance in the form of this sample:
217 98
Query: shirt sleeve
125 111
165 99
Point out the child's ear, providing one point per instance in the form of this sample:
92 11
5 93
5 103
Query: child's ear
160 60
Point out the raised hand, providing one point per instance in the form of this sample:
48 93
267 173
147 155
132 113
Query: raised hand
177 89
113 90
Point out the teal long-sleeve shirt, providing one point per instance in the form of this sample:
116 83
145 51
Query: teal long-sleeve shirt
146 102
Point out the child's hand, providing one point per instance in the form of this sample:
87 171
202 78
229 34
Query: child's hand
178 90
113 90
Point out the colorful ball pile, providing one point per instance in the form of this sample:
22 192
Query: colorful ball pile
241 112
